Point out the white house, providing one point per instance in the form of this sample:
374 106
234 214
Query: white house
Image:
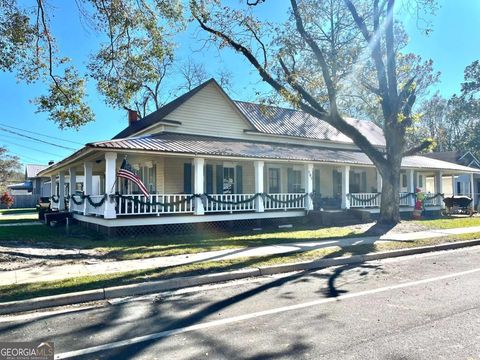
207 158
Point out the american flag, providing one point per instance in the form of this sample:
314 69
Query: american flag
128 173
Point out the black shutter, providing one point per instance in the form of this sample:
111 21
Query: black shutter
289 180
364 182
316 184
219 179
187 178
239 179
209 178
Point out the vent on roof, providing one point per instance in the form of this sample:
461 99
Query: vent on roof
51 162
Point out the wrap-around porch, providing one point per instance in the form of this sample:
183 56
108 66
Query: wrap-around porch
199 186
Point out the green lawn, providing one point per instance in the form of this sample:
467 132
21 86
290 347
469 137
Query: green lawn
123 248
17 211
32 290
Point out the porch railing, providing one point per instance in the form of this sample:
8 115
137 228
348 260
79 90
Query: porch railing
99 210
285 201
135 204
76 208
364 200
229 202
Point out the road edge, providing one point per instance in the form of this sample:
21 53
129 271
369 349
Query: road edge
189 281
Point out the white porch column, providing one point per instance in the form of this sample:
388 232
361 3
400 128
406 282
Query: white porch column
72 187
259 166
87 183
345 187
53 185
61 190
411 186
198 181
379 182
439 186
308 186
453 185
472 190
110 175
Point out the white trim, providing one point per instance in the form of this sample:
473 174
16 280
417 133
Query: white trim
186 219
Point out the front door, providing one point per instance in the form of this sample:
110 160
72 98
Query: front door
273 180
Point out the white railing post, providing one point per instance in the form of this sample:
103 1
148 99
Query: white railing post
72 187
87 184
411 186
61 190
110 175
379 182
259 205
472 190
439 187
453 185
345 187
53 185
198 180
308 186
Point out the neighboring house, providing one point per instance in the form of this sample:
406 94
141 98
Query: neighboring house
460 184
33 184
206 158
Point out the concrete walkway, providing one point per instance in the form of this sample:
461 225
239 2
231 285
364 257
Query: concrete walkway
95 266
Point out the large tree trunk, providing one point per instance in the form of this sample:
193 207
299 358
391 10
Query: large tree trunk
390 209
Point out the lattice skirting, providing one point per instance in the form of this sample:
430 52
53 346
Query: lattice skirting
214 227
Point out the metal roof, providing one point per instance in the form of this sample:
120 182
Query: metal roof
288 122
214 146
32 170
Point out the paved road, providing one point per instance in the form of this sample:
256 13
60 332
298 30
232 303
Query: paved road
419 307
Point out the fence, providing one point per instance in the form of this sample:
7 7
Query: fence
23 201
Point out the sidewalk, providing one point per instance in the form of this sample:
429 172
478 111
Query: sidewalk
95 267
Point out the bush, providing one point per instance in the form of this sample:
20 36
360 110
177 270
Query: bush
6 200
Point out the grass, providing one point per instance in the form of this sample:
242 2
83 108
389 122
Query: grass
17 211
38 289
449 223
164 245
18 218
125 248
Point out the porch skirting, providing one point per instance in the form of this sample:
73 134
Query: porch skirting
185 219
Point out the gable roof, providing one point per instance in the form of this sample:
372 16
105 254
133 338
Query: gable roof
32 170
456 157
269 120
158 115
282 121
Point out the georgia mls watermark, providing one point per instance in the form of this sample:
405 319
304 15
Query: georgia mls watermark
26 350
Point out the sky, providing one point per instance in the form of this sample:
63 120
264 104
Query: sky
453 44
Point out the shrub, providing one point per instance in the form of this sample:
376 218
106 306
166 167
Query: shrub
6 200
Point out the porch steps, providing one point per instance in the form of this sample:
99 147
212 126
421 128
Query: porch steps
57 217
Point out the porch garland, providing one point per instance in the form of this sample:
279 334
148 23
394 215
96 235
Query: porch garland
96 204
373 197
209 198
406 195
229 202
434 196
287 202
77 202
154 203
55 199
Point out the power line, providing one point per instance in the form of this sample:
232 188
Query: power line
25 157
40 134
34 139
9 137
29 148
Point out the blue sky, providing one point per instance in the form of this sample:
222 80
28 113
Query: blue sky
453 45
